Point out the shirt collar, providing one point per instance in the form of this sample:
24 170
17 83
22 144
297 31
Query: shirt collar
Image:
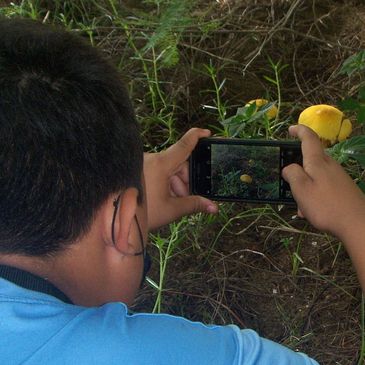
29 281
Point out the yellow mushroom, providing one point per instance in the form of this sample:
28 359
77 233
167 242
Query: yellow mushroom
345 131
271 113
246 178
327 121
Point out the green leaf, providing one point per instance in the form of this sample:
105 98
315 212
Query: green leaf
349 104
174 18
170 56
243 110
361 114
248 114
270 80
361 93
210 26
236 123
353 148
355 63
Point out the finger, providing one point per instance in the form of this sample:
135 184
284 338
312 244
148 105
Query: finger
183 173
181 150
194 204
311 145
297 178
294 174
178 186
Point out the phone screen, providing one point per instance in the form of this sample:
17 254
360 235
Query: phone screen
248 172
243 170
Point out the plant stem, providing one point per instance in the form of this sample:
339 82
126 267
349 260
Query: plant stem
278 90
165 255
150 82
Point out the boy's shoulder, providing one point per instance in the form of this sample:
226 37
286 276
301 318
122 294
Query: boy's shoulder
42 329
39 328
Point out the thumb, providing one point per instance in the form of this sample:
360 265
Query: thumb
181 150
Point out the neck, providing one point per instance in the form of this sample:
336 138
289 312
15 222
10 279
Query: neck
67 271
34 265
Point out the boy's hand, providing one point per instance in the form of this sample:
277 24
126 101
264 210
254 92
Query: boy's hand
325 194
167 182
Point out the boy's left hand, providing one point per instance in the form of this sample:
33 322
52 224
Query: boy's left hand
167 182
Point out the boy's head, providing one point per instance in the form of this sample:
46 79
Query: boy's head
68 138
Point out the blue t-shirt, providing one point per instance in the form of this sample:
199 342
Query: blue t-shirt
36 328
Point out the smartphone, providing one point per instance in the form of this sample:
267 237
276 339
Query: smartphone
226 169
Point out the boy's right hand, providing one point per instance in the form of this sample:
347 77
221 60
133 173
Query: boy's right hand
326 196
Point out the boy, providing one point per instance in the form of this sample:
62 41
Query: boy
77 201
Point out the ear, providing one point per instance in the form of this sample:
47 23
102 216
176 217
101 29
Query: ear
123 221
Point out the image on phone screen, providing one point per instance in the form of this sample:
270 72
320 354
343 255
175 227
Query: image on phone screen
248 172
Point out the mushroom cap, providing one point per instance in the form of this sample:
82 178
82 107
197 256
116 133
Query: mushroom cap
345 131
246 179
327 121
271 113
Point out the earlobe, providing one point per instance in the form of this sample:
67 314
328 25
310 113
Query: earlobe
125 214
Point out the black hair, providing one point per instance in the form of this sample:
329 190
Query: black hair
68 137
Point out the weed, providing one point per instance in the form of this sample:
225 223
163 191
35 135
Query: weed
248 122
274 126
166 248
355 65
162 113
251 120
296 260
26 8
219 106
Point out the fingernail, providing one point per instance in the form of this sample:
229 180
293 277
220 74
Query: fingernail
212 209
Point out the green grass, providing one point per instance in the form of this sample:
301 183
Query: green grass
195 63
